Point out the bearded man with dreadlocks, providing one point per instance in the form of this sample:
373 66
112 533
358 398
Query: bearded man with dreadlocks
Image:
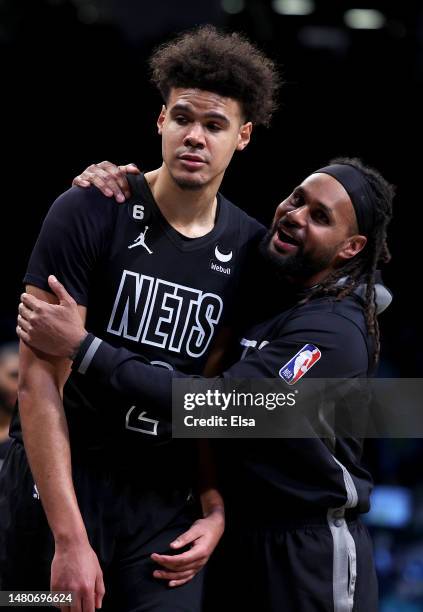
293 505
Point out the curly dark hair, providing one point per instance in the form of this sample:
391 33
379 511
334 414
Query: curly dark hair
226 64
363 267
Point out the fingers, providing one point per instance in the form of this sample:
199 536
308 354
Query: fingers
76 603
183 568
87 601
59 290
175 578
22 335
116 175
164 575
80 182
28 308
184 561
23 324
188 537
130 169
176 583
30 301
100 179
24 311
99 591
107 177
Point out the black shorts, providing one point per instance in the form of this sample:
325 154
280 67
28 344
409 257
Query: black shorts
125 522
297 568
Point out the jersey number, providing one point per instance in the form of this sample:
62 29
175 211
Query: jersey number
138 212
137 421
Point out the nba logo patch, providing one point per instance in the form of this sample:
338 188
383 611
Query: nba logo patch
301 363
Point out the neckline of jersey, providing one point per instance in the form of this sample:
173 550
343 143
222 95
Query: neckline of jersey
176 237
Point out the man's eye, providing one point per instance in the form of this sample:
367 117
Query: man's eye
214 127
296 200
321 217
181 120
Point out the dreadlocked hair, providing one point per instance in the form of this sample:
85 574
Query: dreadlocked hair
362 268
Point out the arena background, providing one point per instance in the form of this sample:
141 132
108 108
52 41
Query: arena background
76 90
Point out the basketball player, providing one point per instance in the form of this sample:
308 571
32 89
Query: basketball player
114 487
293 505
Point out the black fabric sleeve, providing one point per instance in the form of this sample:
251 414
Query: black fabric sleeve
74 234
127 374
340 341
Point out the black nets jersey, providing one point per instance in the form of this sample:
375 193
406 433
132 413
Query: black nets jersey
295 478
147 288
267 480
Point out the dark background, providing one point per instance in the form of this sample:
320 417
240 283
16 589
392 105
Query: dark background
76 90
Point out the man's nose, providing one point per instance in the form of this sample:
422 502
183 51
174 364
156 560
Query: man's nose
195 136
297 216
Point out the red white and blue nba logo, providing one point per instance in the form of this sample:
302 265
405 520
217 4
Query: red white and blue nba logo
301 363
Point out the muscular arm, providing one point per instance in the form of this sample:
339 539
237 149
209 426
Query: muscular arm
59 328
45 433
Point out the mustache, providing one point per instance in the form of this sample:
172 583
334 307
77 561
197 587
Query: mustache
287 233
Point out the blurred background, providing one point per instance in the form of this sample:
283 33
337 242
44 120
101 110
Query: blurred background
76 90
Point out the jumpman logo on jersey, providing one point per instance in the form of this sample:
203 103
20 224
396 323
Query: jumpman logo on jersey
140 241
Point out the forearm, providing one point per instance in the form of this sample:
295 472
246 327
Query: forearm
47 446
212 502
210 497
128 374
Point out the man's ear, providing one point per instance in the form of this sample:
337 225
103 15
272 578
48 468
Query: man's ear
161 119
244 135
353 245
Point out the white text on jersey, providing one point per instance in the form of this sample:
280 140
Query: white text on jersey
163 314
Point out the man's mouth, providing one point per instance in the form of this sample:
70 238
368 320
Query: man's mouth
192 161
283 242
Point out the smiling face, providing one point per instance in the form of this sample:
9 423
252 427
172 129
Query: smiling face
200 132
314 230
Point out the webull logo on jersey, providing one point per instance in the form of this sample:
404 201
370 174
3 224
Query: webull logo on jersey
300 364
221 258
219 268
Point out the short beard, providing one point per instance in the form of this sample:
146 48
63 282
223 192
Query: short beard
298 266
187 185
